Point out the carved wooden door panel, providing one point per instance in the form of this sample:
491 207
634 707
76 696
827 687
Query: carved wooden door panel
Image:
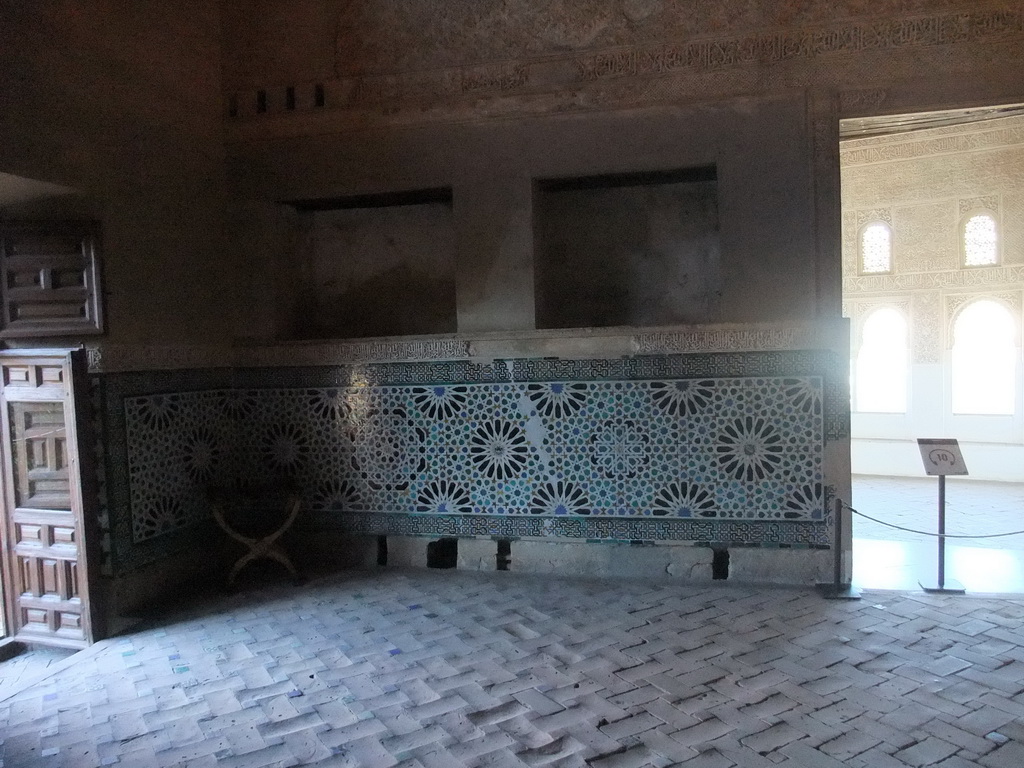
45 568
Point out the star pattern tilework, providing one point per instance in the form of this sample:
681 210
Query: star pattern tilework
561 453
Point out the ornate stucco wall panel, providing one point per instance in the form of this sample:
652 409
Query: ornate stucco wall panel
926 345
925 236
1013 235
932 180
850 249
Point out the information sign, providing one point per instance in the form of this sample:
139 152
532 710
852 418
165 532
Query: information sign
941 456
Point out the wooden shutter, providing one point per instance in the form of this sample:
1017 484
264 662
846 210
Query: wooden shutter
45 522
51 279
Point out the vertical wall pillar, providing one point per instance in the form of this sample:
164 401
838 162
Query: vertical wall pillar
823 129
823 136
494 281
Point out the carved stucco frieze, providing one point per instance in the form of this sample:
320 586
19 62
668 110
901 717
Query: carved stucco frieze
124 358
722 340
959 278
393 54
857 153
112 358
115 358
494 77
811 42
869 99
403 35
396 350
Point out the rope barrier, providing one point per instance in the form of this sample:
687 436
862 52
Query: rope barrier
929 533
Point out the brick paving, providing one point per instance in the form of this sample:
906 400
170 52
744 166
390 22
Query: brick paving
21 670
443 669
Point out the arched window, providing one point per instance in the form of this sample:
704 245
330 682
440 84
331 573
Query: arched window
984 359
980 240
880 382
876 248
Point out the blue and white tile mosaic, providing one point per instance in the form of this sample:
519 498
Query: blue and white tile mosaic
571 449
728 449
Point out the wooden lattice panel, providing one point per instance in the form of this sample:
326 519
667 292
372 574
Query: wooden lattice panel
29 375
50 279
40 456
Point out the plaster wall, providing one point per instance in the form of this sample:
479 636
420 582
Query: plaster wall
923 184
628 255
764 194
324 96
387 271
120 101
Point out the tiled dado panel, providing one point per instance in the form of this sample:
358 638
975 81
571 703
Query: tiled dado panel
121 551
713 447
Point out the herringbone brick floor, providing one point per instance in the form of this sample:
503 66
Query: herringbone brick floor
443 669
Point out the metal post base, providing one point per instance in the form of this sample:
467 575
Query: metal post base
949 587
831 591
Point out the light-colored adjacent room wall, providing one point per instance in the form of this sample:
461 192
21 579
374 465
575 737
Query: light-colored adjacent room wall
924 184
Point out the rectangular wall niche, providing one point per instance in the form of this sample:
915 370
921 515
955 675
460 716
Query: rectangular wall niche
631 249
381 265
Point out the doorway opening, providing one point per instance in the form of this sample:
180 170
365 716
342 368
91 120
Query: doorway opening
933 285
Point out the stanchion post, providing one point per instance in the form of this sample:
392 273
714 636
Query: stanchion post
953 587
837 550
942 531
941 457
838 589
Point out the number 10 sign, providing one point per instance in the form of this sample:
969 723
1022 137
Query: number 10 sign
941 456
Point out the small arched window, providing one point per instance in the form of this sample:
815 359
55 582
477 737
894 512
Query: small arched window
980 240
984 359
881 368
876 248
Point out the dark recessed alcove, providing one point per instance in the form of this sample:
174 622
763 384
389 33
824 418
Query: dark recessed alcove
379 265
636 249
443 553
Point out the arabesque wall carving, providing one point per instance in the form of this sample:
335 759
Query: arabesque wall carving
927 329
